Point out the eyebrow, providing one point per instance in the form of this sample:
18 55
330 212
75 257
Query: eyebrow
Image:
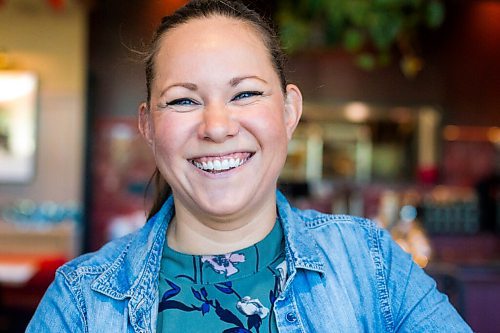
187 85
237 80
233 83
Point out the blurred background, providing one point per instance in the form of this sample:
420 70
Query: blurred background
401 124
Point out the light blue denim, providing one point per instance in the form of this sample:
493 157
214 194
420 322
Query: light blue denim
344 275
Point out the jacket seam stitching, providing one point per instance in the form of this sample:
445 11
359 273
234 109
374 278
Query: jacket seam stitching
300 323
381 278
332 219
141 288
76 294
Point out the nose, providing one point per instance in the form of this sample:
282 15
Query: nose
217 125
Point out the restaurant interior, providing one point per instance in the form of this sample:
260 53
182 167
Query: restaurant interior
401 125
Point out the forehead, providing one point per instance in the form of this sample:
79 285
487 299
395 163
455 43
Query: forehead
219 25
214 38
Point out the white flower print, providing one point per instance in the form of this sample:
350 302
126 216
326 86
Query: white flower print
249 306
224 263
282 269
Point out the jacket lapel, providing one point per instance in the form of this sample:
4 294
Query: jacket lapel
301 248
134 273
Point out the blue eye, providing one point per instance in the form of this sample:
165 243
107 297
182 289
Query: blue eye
182 102
247 94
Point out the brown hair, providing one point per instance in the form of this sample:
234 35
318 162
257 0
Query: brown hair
203 9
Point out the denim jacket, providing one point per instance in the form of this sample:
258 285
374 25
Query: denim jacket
344 275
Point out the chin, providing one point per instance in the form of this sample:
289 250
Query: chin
225 206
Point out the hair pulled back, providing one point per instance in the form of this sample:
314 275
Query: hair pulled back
197 9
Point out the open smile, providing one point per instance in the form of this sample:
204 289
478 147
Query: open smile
218 164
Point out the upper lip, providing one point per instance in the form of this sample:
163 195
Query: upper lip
221 154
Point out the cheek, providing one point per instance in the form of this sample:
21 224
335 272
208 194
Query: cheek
268 127
169 135
272 126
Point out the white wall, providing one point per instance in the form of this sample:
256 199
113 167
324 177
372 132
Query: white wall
53 44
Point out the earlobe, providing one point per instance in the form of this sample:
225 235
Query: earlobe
144 123
293 108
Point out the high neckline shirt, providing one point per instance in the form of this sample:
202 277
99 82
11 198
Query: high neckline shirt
233 292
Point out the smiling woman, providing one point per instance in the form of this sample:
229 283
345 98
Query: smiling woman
226 252
233 109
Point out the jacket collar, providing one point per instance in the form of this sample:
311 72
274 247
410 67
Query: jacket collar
134 274
301 247
140 260
135 270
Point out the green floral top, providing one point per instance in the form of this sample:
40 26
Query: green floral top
228 293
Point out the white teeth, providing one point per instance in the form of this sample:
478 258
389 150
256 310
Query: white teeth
219 165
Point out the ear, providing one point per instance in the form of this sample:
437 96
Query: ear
293 108
145 125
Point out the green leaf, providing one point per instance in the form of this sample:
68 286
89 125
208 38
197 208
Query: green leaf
435 14
366 61
294 33
335 12
353 40
384 29
358 11
384 58
316 6
388 3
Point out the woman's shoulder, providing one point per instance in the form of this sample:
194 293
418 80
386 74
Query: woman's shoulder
326 229
98 261
352 236
313 219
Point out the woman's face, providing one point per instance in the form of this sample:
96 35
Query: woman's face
219 122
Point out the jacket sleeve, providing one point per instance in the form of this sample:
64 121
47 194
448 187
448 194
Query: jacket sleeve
416 304
58 311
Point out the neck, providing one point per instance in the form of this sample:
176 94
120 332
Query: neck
199 234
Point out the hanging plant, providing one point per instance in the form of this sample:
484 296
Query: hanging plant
369 29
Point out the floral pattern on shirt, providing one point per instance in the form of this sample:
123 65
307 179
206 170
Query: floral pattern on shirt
224 263
251 308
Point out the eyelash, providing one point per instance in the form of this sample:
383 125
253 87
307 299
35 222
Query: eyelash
190 102
181 101
248 93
